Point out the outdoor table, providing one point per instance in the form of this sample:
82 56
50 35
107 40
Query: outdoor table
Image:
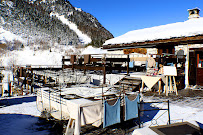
150 81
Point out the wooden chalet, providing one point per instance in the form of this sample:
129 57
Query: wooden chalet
175 41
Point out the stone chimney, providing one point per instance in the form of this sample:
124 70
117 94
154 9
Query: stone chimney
193 13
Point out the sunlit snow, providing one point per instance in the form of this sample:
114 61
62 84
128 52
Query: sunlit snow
83 37
190 27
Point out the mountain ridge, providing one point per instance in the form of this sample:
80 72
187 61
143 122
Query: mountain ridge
32 21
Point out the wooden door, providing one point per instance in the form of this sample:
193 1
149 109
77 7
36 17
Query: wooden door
192 68
199 73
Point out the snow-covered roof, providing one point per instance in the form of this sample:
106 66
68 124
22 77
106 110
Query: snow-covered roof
187 28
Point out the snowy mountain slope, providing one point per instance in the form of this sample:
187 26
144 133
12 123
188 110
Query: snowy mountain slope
82 37
31 55
31 21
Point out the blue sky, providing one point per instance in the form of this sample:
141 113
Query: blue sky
121 16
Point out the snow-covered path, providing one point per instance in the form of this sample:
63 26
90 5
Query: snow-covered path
24 108
22 119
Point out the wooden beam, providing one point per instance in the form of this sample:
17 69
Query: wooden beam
95 59
128 60
117 59
197 60
104 74
63 59
94 68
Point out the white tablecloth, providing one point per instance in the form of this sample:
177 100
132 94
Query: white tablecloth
150 81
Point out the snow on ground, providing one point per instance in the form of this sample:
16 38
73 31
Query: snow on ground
111 79
78 9
31 57
22 119
74 27
93 50
8 36
16 124
188 109
28 56
180 29
28 108
40 57
179 111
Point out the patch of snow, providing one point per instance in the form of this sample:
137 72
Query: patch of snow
22 119
111 79
29 108
70 13
32 1
2 20
9 3
34 57
6 36
78 9
85 91
190 27
189 110
28 56
92 50
50 1
83 37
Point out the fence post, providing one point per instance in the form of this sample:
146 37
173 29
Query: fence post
128 60
138 105
169 119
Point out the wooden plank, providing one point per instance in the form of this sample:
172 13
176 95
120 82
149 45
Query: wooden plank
95 59
197 59
192 68
87 59
128 57
66 59
133 83
104 74
133 78
94 68
72 59
166 86
142 86
117 59
175 88
159 86
67 66
199 76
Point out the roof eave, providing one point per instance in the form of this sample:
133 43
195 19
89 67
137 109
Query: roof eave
197 39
